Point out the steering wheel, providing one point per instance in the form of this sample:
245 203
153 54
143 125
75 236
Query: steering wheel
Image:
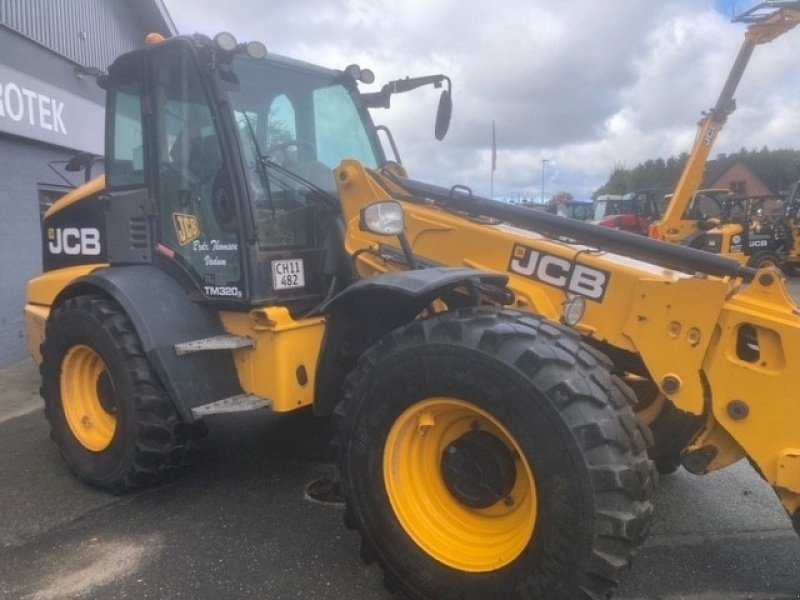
282 148
223 203
309 169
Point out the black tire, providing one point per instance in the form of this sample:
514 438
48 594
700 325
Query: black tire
672 429
571 432
761 260
139 439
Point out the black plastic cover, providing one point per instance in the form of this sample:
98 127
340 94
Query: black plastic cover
163 315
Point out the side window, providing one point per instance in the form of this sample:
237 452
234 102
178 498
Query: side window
705 206
280 209
198 215
126 167
281 122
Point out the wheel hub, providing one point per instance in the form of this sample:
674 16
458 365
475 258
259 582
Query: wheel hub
105 393
460 484
87 397
478 469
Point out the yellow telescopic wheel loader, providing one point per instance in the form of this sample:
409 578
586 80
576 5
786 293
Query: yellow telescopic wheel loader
495 374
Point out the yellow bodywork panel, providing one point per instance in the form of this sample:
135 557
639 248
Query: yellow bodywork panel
752 371
789 470
35 320
95 186
671 323
543 272
282 366
44 289
42 292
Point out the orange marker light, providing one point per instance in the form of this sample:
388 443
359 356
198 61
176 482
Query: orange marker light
151 39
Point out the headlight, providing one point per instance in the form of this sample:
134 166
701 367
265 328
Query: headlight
383 218
574 309
256 50
225 41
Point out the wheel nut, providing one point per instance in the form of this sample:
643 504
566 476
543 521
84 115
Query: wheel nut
738 410
670 384
425 421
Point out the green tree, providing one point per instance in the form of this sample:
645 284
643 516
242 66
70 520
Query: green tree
778 168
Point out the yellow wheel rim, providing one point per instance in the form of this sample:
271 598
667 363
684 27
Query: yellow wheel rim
454 532
85 387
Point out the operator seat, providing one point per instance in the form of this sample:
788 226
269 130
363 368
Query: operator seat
205 158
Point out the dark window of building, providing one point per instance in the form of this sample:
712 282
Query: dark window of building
49 195
739 188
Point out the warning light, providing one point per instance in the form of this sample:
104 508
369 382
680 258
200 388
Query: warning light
151 39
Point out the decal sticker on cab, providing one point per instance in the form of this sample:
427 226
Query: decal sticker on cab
187 227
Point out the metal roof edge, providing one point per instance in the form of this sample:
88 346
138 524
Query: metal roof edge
154 11
162 9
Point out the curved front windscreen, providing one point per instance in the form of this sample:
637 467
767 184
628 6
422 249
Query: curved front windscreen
303 120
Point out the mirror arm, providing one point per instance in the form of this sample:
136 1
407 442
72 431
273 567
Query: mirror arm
382 99
378 99
409 253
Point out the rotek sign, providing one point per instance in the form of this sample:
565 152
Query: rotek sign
19 104
34 109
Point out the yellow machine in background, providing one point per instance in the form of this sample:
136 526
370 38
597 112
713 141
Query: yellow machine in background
495 374
766 21
758 232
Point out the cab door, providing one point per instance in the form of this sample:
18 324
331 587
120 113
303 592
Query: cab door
198 224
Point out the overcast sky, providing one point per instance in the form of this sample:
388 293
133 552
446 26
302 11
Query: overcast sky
585 84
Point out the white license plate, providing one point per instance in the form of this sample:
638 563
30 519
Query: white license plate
288 274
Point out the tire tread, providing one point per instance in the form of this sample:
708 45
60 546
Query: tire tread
596 405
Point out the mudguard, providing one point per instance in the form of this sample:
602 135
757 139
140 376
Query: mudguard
367 310
163 315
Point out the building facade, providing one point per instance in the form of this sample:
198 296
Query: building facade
50 110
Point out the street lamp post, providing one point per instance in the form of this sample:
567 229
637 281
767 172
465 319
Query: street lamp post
544 162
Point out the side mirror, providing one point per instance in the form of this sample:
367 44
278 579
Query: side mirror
383 218
443 114
79 162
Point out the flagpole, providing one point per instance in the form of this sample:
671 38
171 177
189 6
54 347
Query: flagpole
494 162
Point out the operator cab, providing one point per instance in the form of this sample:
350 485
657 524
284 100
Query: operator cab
231 158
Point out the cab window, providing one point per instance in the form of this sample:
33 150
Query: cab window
281 124
126 164
337 135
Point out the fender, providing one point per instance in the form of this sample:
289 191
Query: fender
163 314
367 310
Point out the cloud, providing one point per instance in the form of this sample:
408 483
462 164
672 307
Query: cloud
586 84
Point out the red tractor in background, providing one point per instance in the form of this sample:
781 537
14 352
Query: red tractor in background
633 212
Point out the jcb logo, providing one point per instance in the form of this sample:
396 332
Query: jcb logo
187 228
559 272
74 241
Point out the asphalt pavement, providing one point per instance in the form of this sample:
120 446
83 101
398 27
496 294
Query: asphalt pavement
239 524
